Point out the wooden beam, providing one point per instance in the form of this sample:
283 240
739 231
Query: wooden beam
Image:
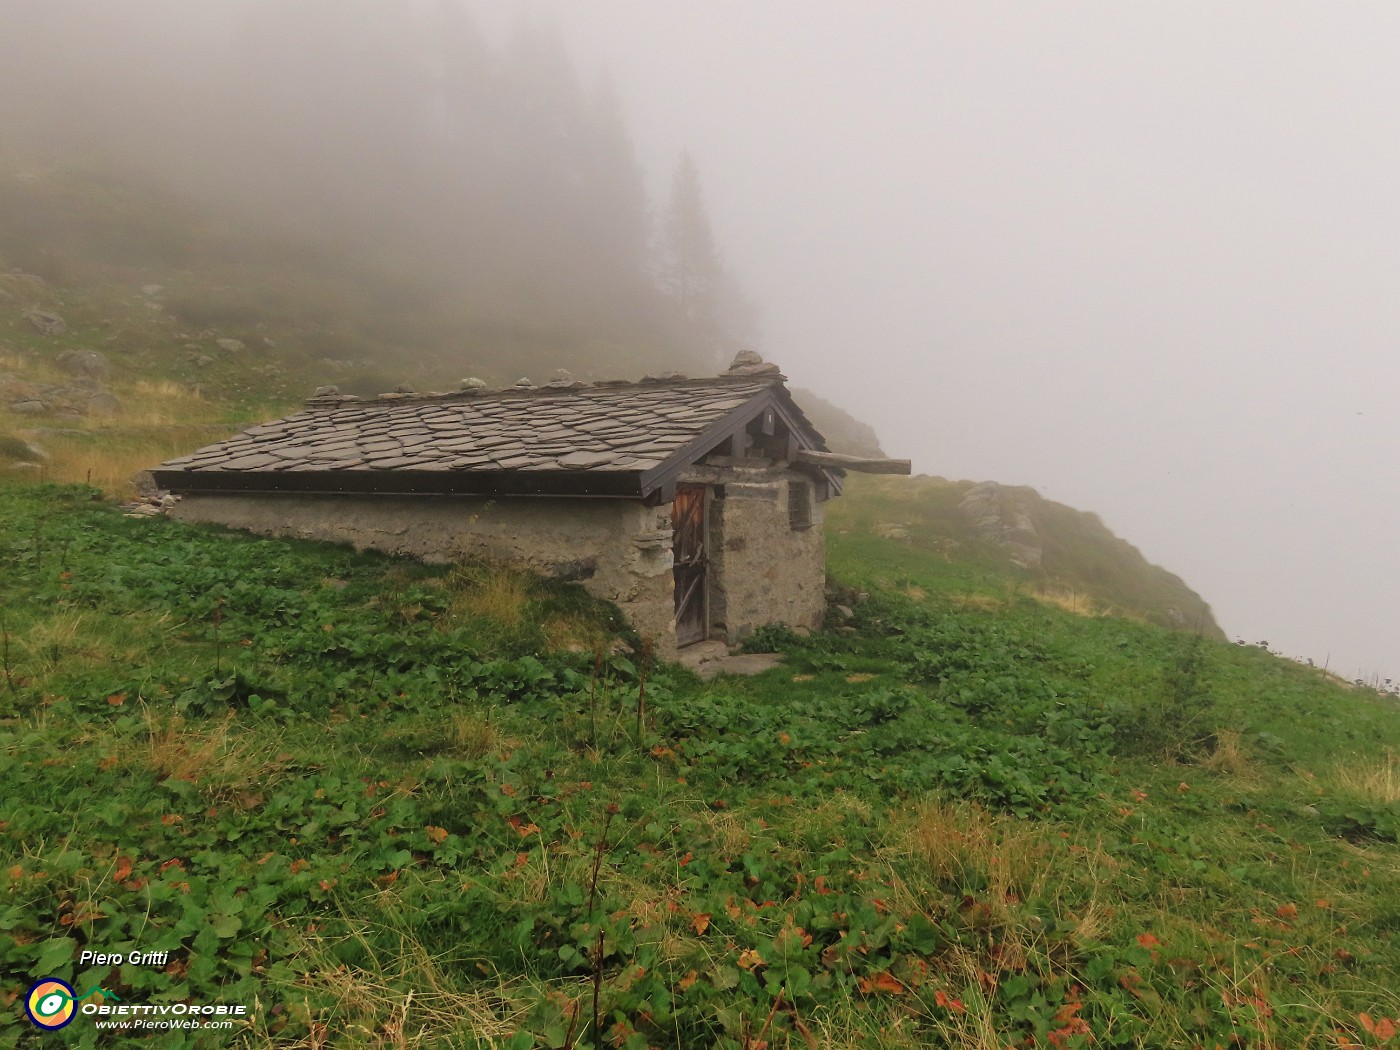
835 461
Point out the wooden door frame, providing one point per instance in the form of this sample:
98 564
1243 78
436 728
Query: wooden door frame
706 497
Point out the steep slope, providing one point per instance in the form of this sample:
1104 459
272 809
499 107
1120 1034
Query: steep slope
843 431
157 280
993 539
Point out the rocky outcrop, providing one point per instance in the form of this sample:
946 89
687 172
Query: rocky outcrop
24 287
84 363
16 450
998 516
150 506
84 397
47 323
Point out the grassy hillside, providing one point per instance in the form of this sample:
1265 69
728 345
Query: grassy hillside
308 310
393 805
930 531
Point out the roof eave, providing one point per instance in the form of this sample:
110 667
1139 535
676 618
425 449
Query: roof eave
597 484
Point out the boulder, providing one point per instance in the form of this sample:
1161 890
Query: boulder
998 516
24 286
47 323
87 363
103 403
233 346
19 450
751 363
28 408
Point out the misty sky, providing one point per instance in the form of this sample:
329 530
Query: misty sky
1144 257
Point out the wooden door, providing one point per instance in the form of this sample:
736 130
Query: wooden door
688 527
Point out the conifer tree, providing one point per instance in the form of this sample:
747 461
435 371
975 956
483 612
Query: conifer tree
691 267
692 271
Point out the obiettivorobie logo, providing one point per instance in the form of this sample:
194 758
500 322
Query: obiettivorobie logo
52 1004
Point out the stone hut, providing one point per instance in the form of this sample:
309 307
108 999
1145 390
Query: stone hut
694 504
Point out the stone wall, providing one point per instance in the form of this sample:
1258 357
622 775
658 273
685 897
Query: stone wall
762 569
617 549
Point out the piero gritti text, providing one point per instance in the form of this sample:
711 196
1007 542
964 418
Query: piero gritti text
91 958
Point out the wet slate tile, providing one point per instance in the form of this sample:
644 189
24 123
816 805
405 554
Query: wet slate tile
623 427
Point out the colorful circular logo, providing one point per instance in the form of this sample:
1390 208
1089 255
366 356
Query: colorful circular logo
51 1003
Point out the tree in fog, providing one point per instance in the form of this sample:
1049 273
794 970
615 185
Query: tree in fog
693 272
690 266
393 139
619 223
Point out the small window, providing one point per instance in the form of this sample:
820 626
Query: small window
799 505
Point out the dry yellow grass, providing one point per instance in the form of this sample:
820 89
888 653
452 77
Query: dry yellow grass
160 403
1070 601
1377 781
405 998
962 843
66 635
1001 862
1229 755
108 456
102 466
996 873
472 736
567 635
87 639
500 595
155 420
224 766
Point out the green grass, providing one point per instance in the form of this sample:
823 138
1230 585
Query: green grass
369 798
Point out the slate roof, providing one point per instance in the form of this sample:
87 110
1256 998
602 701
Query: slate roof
609 439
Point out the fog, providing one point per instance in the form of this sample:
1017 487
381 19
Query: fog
1143 257
484 180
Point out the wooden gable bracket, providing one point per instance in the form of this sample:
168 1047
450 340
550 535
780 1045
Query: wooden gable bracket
658 485
836 461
